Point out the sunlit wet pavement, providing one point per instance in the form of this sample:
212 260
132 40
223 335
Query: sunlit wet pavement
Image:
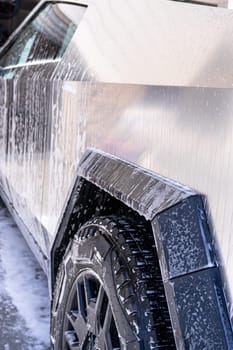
24 300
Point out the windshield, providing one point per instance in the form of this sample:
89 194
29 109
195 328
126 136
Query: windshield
46 36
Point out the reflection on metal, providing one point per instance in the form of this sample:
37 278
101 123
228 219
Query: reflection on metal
149 82
164 43
45 37
31 63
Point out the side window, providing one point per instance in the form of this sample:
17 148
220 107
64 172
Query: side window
46 37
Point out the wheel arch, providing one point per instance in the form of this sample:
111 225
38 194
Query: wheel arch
106 180
177 216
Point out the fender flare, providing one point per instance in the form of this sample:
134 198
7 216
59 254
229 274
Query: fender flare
188 260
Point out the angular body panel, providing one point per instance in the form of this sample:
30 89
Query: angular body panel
155 127
148 82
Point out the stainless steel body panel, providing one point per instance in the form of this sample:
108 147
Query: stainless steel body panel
162 43
152 85
173 131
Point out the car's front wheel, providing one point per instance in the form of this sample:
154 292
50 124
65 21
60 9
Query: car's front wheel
109 294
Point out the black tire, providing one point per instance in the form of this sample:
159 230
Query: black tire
109 293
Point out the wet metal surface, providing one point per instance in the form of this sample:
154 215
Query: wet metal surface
168 111
184 133
147 193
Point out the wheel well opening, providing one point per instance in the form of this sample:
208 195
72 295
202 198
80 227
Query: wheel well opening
88 201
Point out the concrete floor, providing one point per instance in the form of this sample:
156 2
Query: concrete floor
24 300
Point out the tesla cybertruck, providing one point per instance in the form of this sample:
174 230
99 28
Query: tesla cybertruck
116 161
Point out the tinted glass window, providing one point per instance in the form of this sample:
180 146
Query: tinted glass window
47 35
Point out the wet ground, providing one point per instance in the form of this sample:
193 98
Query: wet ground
24 300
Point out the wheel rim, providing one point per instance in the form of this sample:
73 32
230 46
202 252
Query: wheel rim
89 323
